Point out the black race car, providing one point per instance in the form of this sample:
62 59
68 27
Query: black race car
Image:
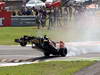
46 45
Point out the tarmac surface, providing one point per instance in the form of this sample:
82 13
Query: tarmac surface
76 51
17 55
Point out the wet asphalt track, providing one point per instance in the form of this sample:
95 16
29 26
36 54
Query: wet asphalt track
18 52
79 50
12 55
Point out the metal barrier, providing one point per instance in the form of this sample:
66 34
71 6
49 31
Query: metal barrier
1 21
23 21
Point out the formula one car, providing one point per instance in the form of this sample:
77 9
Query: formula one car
46 45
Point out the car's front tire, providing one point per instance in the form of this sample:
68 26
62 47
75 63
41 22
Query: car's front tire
23 43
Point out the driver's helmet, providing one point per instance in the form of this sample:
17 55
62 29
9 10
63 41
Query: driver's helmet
45 37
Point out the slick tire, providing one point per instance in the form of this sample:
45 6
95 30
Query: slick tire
46 54
23 44
63 52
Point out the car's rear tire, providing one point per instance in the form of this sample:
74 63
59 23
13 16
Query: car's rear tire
23 43
47 54
63 52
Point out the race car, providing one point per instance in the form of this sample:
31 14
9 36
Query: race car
46 45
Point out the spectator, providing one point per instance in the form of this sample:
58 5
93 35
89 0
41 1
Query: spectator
43 13
35 10
19 13
28 12
14 13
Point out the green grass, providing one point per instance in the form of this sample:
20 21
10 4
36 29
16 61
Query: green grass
46 68
8 34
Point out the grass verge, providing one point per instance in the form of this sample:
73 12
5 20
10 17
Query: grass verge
46 68
8 34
